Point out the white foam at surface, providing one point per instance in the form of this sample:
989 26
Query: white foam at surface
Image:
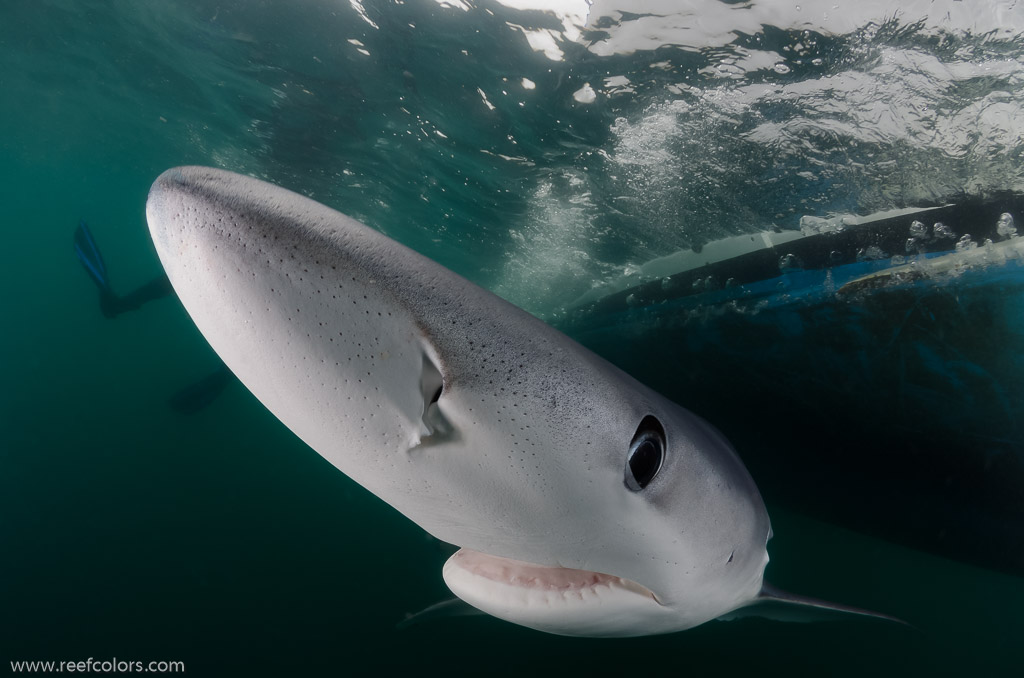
698 24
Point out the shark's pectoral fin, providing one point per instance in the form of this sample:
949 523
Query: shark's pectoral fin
452 607
780 605
436 426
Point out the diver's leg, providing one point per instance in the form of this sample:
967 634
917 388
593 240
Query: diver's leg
111 304
197 396
157 288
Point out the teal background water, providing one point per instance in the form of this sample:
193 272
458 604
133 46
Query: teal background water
218 538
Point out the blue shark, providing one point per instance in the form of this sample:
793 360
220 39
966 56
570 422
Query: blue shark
582 502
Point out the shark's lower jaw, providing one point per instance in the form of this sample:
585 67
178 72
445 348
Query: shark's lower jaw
553 599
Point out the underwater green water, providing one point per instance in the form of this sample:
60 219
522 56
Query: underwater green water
217 538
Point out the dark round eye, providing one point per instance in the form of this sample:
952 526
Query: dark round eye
646 454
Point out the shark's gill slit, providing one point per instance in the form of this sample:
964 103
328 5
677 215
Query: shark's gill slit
431 388
431 382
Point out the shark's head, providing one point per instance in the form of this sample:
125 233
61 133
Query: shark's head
584 503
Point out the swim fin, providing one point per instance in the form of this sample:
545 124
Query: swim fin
89 254
92 261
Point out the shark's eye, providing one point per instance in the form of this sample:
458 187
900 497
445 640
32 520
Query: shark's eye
646 454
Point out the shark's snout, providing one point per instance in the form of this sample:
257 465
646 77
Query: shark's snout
174 184
172 177
174 193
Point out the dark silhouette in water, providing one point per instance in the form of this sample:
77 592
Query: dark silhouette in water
111 304
189 399
197 395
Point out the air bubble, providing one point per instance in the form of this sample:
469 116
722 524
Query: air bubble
871 253
918 236
789 263
965 243
1005 227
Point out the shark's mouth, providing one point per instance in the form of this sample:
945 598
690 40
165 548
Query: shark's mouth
524 575
554 599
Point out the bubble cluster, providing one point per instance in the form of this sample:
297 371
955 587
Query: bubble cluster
1005 227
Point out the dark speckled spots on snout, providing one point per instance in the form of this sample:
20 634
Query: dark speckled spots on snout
172 181
173 175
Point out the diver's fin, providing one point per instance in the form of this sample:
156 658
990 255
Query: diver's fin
89 254
773 603
452 607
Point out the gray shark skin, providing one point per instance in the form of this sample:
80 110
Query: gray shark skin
486 427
